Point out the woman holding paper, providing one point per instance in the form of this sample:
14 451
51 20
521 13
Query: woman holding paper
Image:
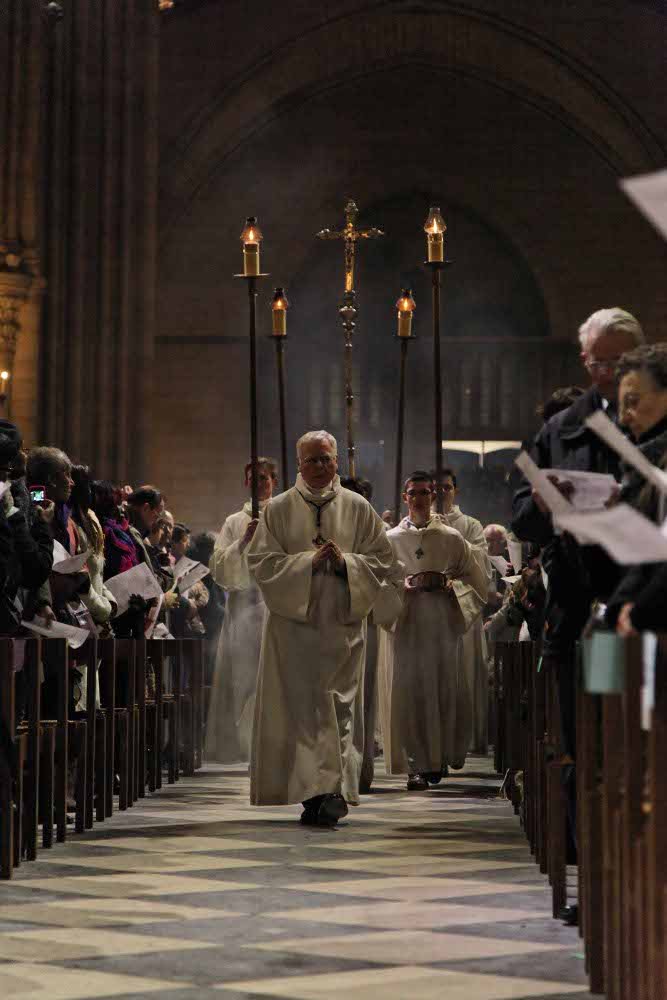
229 729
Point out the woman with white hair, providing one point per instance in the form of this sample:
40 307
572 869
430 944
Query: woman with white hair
319 557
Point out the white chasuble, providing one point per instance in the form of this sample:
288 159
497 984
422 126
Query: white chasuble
424 692
475 652
232 706
314 642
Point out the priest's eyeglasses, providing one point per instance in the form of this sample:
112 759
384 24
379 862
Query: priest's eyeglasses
320 460
420 493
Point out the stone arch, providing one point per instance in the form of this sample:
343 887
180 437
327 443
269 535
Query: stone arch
387 35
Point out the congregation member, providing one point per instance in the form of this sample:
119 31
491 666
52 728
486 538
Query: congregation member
26 542
428 715
212 614
639 602
576 574
495 536
98 600
475 656
231 712
319 557
565 442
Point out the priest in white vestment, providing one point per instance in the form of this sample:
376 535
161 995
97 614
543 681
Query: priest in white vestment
319 557
475 653
425 693
232 705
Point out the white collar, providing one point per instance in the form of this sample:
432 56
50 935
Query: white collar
409 525
317 496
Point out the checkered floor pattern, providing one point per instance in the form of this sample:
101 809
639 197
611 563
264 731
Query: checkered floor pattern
194 894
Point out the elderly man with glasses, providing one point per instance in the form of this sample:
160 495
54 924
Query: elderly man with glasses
319 557
577 574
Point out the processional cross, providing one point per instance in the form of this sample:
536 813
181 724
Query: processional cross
348 311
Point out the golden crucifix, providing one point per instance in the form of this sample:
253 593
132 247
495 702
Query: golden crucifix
349 234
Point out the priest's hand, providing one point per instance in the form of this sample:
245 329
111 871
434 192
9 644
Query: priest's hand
329 552
249 534
336 557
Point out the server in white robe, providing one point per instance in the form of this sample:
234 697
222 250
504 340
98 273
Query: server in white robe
425 694
232 704
475 653
319 557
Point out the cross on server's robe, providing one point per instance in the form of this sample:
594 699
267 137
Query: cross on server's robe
475 652
232 707
425 694
314 643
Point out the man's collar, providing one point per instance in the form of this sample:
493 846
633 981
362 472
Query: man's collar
572 420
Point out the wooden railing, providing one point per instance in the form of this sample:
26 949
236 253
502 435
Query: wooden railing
621 808
150 711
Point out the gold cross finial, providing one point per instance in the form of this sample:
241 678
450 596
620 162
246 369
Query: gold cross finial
350 234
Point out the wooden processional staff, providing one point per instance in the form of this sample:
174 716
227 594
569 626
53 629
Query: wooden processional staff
348 311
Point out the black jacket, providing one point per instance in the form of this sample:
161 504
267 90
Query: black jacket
644 585
564 442
26 558
577 574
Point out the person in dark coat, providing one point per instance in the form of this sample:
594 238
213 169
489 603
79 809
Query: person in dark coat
640 600
26 542
576 574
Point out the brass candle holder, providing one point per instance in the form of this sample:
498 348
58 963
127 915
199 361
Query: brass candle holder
251 237
406 306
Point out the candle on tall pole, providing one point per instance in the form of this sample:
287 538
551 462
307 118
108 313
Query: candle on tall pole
348 310
251 237
406 306
435 229
279 307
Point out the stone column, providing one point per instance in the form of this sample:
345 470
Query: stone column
101 154
23 33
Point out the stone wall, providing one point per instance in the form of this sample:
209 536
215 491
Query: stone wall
521 119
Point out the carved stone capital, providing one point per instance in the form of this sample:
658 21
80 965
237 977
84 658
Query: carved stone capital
14 288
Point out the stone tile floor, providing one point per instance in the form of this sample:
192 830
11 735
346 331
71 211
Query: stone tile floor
194 894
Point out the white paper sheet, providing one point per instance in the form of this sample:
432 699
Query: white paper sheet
592 490
516 555
511 580
609 432
58 630
63 562
649 193
138 580
627 535
537 478
187 572
500 563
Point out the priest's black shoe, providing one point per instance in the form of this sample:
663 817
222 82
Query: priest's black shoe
433 777
333 808
311 808
417 783
570 915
